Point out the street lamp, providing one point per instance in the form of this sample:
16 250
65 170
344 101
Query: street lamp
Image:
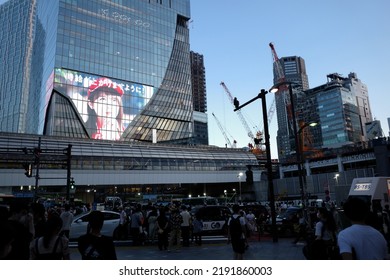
225 193
312 124
296 132
274 89
300 157
239 183
262 95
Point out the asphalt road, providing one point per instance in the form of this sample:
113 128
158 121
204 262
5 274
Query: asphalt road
216 248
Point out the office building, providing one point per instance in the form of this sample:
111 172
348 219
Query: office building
342 109
19 98
293 70
56 53
198 78
103 80
361 93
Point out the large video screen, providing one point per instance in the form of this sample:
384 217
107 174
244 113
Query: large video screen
107 106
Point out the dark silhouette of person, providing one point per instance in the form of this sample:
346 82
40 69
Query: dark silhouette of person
94 245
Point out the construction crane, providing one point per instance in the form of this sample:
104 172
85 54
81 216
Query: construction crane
280 77
224 133
241 117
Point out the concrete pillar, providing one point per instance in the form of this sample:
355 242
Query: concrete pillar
340 164
281 173
307 168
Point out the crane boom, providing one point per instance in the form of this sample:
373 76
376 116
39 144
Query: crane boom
241 117
277 66
223 132
280 78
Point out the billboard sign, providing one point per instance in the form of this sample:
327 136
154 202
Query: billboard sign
107 106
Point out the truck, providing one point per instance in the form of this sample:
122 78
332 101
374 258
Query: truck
374 190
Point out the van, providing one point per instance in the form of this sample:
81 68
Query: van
112 202
214 218
373 190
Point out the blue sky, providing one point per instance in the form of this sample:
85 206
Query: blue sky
331 36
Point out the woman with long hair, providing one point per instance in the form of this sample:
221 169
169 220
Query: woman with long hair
105 110
325 235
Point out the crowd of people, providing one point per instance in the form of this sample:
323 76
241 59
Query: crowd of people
170 227
353 231
33 232
30 231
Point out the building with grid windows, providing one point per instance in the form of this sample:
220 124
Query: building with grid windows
59 54
294 71
198 76
116 82
342 109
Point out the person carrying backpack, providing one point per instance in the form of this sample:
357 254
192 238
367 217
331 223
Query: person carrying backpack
237 233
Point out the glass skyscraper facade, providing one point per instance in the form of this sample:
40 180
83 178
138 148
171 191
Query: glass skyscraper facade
294 71
111 70
336 109
340 108
338 112
19 105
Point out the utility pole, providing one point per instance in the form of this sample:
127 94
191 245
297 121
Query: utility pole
262 95
68 173
37 155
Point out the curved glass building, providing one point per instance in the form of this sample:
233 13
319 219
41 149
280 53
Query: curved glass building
68 48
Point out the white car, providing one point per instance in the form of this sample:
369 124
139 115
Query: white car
80 224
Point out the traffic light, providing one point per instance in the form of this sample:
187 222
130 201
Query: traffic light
28 169
72 183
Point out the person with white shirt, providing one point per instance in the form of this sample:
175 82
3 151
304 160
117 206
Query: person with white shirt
123 224
185 226
360 241
67 219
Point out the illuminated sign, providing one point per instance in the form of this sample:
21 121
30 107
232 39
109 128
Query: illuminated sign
105 115
122 18
362 187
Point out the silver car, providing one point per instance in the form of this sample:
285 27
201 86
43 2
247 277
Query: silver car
80 224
